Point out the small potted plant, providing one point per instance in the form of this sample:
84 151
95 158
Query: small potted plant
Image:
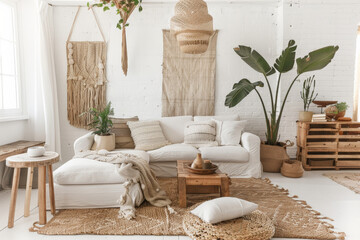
336 111
307 96
102 124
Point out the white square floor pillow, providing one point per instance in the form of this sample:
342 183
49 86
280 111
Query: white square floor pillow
228 133
222 209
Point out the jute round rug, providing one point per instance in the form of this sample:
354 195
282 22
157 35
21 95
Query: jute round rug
292 218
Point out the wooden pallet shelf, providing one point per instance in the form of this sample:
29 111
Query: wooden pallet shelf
328 145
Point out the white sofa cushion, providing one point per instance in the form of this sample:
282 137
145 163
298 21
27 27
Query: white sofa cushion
173 152
225 154
233 117
147 135
200 134
173 127
87 171
228 133
224 208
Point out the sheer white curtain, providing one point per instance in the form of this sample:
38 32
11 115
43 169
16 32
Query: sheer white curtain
46 102
357 79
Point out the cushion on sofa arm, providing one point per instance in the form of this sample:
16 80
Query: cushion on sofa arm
228 133
173 152
234 117
84 143
225 154
87 171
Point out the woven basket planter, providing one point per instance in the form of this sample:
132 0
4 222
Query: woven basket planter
192 25
273 156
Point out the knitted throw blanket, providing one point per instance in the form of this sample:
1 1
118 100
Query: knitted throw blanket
134 169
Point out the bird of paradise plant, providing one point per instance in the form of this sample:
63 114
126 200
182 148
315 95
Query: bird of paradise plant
315 60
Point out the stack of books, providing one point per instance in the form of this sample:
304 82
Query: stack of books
319 118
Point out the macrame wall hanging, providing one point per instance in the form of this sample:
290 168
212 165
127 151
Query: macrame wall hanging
86 78
192 26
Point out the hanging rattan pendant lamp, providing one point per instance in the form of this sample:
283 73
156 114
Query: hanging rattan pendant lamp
192 25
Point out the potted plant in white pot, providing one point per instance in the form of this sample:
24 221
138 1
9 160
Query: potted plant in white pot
308 97
273 152
102 124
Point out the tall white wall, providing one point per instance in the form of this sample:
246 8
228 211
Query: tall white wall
264 25
314 24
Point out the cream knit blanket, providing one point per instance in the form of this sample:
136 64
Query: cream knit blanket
135 170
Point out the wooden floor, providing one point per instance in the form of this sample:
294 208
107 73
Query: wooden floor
324 195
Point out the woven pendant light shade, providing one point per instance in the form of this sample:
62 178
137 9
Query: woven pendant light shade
192 25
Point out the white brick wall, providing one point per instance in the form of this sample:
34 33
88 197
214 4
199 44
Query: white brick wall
263 25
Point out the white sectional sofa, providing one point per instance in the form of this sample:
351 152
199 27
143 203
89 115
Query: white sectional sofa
237 161
84 183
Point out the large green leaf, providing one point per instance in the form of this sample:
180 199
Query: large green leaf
240 91
316 60
254 60
287 58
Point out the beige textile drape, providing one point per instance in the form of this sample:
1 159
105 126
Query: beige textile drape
188 86
357 78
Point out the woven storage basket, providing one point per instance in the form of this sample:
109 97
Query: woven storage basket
192 25
254 226
292 169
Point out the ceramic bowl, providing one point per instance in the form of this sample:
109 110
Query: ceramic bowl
35 151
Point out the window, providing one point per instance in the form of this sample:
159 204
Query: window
10 99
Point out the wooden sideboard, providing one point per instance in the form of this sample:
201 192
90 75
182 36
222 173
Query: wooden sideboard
328 145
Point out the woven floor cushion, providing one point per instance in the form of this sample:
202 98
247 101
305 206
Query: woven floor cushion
254 226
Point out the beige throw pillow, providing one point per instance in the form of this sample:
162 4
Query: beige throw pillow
147 135
122 132
200 134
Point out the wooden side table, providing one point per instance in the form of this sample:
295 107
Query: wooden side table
24 161
194 183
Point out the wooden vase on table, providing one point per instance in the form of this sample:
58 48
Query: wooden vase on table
198 162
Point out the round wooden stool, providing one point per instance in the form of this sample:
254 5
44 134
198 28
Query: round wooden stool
24 161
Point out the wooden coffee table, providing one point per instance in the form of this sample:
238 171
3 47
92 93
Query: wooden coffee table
195 183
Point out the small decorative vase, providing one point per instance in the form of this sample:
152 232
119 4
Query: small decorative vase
305 116
198 162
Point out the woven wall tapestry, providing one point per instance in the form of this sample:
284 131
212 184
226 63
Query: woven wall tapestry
86 78
188 86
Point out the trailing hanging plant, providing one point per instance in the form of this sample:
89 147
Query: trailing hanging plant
101 123
124 8
305 93
315 60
